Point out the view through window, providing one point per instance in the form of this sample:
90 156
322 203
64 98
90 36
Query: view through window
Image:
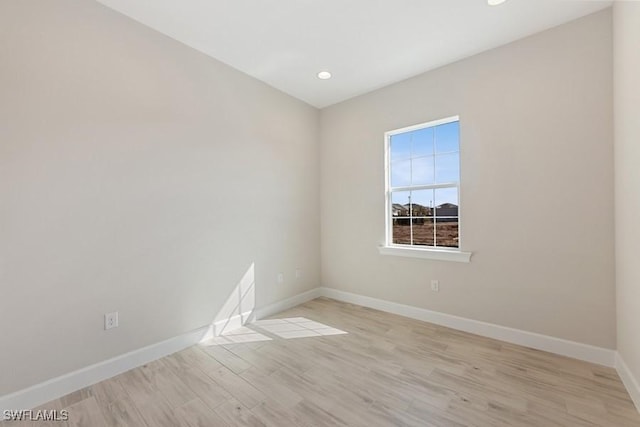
423 180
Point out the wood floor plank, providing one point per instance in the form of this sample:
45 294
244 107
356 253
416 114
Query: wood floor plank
386 370
207 390
235 414
75 397
272 388
197 414
273 414
231 361
121 413
240 389
172 386
156 411
86 413
108 391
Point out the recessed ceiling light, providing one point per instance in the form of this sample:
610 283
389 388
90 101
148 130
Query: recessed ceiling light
324 75
495 2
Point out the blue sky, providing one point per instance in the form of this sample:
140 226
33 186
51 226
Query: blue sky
413 155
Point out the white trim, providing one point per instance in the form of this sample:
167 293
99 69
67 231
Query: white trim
629 381
426 186
277 307
57 387
426 253
430 124
586 352
54 388
229 324
389 190
225 325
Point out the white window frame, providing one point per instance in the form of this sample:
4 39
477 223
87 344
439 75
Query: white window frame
418 251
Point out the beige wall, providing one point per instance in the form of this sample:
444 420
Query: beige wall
627 179
537 179
137 175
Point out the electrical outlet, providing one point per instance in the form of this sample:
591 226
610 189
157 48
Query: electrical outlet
111 320
281 277
298 273
435 286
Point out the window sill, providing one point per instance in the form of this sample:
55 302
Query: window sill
426 253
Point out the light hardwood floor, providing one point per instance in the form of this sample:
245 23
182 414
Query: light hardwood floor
384 370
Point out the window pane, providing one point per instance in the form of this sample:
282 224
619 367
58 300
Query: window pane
447 137
400 203
447 232
448 168
400 146
422 171
401 228
446 201
427 157
401 173
401 231
423 231
422 201
422 142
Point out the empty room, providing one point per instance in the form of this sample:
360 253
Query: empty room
319 213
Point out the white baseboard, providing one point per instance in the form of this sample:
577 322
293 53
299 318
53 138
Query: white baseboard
225 325
239 320
629 381
235 322
277 307
586 352
54 388
57 387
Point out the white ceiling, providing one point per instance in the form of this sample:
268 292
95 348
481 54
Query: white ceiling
366 44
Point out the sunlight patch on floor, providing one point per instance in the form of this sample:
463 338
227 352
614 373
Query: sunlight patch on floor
237 336
296 327
292 327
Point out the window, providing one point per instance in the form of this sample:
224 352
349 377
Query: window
423 186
